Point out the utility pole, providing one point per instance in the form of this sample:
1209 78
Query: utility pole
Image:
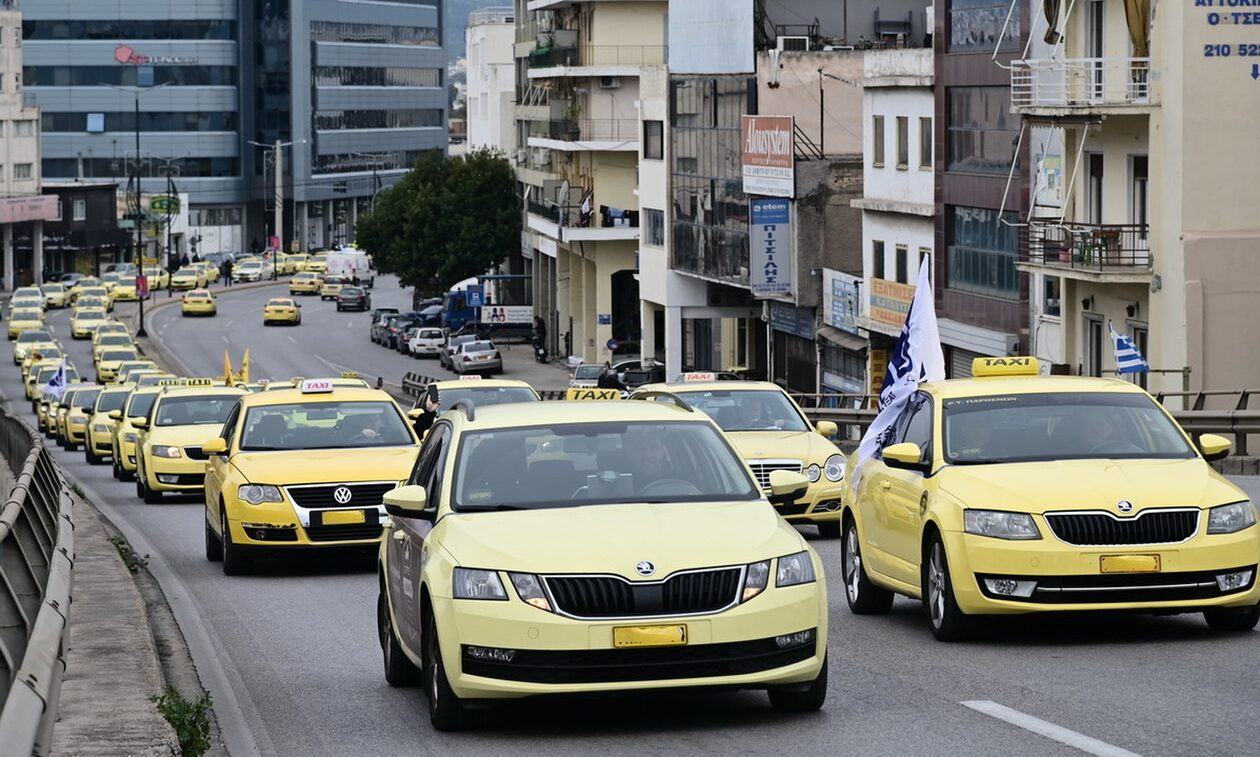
279 199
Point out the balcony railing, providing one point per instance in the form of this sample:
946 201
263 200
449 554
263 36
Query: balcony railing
598 55
1091 247
573 217
498 14
1081 83
595 130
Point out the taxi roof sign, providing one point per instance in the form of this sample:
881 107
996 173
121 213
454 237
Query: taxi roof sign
317 386
185 382
470 377
699 376
1005 366
579 393
350 374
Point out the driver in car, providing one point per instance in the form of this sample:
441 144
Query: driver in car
364 429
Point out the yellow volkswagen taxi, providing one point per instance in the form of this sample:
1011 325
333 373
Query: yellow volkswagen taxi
84 322
110 360
772 433
78 415
301 468
55 295
1014 493
168 450
99 443
31 340
188 278
199 302
124 435
477 602
305 283
282 310
25 319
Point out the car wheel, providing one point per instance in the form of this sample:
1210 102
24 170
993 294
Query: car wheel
399 670
446 711
864 597
118 471
214 545
948 622
150 496
70 446
91 457
796 699
235 561
1232 619
829 529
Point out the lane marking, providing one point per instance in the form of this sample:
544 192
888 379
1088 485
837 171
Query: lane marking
291 339
1058 733
225 339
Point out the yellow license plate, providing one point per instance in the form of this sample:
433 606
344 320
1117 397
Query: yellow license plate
1129 564
650 636
344 517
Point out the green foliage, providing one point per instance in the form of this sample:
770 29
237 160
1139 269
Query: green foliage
448 219
130 557
190 720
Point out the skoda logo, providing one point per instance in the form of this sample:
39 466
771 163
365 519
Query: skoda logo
342 495
644 568
1124 506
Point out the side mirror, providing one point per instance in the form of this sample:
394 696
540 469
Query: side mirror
140 423
408 502
115 415
1214 447
827 428
787 486
906 455
215 446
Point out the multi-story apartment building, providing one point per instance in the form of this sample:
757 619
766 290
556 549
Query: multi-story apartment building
490 39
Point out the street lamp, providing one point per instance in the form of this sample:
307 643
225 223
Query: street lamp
135 217
279 166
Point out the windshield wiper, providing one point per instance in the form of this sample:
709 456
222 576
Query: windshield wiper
490 508
978 461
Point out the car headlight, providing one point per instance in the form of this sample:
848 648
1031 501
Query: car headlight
1000 525
530 590
98 428
813 473
755 578
256 494
834 469
472 583
794 570
1228 519
164 450
129 438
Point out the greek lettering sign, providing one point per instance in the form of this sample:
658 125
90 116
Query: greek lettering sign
890 302
769 165
770 253
28 208
840 300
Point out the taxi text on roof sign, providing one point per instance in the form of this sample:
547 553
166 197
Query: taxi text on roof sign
470 377
186 382
699 376
350 374
316 386
593 394
1005 366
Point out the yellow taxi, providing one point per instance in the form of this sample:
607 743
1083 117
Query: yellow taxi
772 433
90 302
95 296
317 263
168 452
53 353
285 264
83 322
129 370
111 327
159 278
331 287
31 339
188 277
110 280
297 262
59 411
125 290
26 297
99 443
79 415
199 302
282 310
209 270
304 467
55 295
25 319
124 434
110 360
109 340
347 380
1012 492
87 282
305 283
640 597
41 372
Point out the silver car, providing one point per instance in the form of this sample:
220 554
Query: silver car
427 342
477 357
447 355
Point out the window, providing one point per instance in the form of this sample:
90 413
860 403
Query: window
1052 296
982 251
924 254
21 171
332 120
80 210
918 428
654 140
903 142
877 136
128 29
655 227
877 257
925 143
365 76
373 34
981 132
1141 340
24 128
144 76
903 264
95 122
981 26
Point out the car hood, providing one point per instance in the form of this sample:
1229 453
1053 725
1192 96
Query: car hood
1088 484
613 538
182 436
326 465
782 445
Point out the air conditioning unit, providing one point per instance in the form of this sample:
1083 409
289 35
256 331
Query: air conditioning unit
609 82
795 44
546 23
521 156
542 156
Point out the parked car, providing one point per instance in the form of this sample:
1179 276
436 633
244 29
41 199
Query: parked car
585 376
426 342
380 316
395 327
404 339
354 298
633 379
446 356
478 356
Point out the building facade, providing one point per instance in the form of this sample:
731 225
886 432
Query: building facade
491 76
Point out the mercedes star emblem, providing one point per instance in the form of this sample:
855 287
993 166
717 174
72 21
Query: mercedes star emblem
1124 506
342 495
644 568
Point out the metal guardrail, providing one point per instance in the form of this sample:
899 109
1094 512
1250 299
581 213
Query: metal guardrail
36 575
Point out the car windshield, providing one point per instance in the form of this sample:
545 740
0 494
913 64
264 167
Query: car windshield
324 425
107 339
85 398
487 395
187 271
118 355
351 292
202 410
108 402
587 372
26 315
90 315
578 464
1012 428
52 288
141 404
49 352
29 337
755 410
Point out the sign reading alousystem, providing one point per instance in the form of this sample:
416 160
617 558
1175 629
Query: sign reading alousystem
768 161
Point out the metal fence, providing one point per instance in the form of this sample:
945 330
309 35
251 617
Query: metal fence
36 573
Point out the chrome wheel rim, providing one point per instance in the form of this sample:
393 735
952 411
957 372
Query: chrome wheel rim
433 670
936 586
852 563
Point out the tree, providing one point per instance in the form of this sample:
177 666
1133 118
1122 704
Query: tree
447 220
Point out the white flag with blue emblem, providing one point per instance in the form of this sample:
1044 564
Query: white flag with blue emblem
1128 359
917 358
56 385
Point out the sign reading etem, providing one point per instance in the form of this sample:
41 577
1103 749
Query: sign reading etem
770 246
768 160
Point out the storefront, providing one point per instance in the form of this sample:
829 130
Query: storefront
793 353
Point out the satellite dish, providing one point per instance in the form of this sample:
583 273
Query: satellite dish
563 199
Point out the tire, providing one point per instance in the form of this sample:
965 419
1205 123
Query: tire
446 711
829 529
150 496
214 545
864 597
70 446
91 457
947 621
400 672
118 471
1232 619
809 699
235 561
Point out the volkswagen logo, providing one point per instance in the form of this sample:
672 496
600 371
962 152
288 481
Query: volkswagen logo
342 495
1124 506
644 568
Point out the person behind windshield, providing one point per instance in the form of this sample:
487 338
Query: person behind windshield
646 459
363 429
753 414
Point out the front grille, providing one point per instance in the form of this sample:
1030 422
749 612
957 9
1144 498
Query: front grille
1122 587
762 469
195 453
355 532
321 495
1102 529
642 664
183 479
614 597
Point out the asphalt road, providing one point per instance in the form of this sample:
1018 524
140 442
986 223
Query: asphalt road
292 661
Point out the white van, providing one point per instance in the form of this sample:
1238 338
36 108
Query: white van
352 263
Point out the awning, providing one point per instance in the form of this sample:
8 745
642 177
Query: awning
851 342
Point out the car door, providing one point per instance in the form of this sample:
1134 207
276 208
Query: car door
217 466
407 540
903 495
876 482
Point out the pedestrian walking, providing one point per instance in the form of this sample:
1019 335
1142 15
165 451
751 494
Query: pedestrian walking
608 379
380 382
225 270
183 260
196 258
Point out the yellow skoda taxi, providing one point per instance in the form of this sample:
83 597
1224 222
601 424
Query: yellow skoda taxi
168 452
32 340
78 416
478 602
772 433
1013 493
282 310
55 295
159 278
99 443
84 322
199 302
110 360
301 468
125 435
305 283
125 290
188 278
331 287
25 319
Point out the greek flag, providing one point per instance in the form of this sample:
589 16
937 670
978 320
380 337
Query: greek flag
56 385
917 358
1128 359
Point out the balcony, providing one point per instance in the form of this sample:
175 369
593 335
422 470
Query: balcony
572 224
593 60
599 134
1081 86
1118 253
